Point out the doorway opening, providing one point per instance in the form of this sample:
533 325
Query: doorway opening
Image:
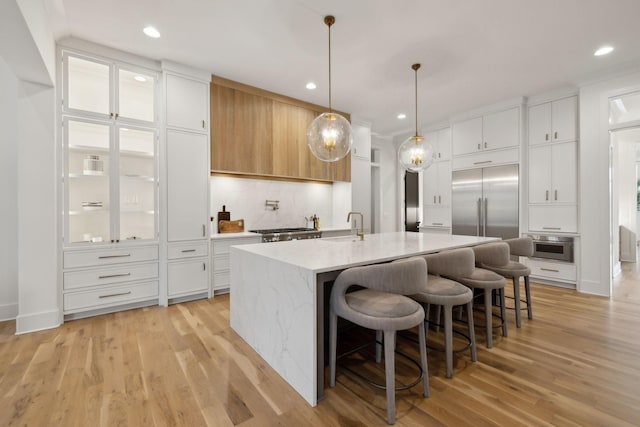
411 201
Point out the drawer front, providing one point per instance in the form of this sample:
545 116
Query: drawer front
486 158
188 250
563 271
221 279
109 275
563 219
105 297
184 278
221 263
222 246
109 256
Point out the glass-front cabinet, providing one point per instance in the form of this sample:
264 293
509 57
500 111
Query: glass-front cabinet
110 146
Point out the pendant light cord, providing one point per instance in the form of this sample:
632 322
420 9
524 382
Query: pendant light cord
415 68
329 25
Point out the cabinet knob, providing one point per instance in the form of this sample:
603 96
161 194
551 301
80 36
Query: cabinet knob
546 195
485 144
546 136
478 146
555 135
555 197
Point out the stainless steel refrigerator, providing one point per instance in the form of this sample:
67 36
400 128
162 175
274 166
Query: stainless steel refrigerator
484 202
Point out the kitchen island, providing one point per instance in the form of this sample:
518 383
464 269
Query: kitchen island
277 294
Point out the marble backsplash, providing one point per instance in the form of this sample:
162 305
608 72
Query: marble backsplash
245 198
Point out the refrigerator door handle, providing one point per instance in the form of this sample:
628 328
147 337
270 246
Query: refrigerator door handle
479 217
484 228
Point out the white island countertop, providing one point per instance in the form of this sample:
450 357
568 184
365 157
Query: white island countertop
278 294
338 253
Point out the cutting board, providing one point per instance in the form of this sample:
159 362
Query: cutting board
235 226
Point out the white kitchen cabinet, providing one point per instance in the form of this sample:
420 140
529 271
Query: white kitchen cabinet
187 103
553 173
220 249
553 218
187 185
109 186
109 90
441 141
436 217
361 147
437 184
555 121
552 270
103 280
186 278
489 132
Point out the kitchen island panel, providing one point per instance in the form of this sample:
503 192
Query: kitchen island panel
273 308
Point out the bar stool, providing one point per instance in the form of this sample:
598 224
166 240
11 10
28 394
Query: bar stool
488 282
448 294
522 246
381 306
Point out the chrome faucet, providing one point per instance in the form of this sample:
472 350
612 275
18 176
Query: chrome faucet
361 232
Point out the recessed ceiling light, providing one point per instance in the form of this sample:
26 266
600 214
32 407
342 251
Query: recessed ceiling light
402 116
151 32
140 79
311 85
603 50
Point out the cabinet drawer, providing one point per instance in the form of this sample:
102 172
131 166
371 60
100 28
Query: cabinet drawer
109 256
222 246
487 158
221 262
221 279
563 219
188 249
563 271
107 276
105 297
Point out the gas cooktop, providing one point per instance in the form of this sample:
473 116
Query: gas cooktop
281 230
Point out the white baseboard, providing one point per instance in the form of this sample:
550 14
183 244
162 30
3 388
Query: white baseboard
8 311
37 321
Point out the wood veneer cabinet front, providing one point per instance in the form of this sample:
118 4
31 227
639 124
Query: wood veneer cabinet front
261 133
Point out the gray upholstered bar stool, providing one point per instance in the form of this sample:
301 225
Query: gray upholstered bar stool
381 306
488 281
522 246
448 294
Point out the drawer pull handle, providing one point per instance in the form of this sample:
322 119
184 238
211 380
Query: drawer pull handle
437 223
552 228
115 295
482 163
550 269
188 250
114 256
114 275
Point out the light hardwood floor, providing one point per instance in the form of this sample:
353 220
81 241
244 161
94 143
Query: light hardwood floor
575 364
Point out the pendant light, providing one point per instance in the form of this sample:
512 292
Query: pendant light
329 134
415 154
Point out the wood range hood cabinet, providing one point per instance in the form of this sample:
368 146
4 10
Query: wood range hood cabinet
260 133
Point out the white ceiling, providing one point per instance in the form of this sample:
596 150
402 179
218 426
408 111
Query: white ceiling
472 52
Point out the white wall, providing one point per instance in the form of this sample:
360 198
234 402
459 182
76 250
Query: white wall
245 199
8 190
37 214
28 48
594 217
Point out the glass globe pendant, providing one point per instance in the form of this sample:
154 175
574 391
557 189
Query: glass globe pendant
329 135
415 154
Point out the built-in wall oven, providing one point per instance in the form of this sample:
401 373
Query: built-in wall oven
559 248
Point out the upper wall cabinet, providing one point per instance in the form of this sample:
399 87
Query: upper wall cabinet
489 132
256 132
441 141
555 121
188 109
107 90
